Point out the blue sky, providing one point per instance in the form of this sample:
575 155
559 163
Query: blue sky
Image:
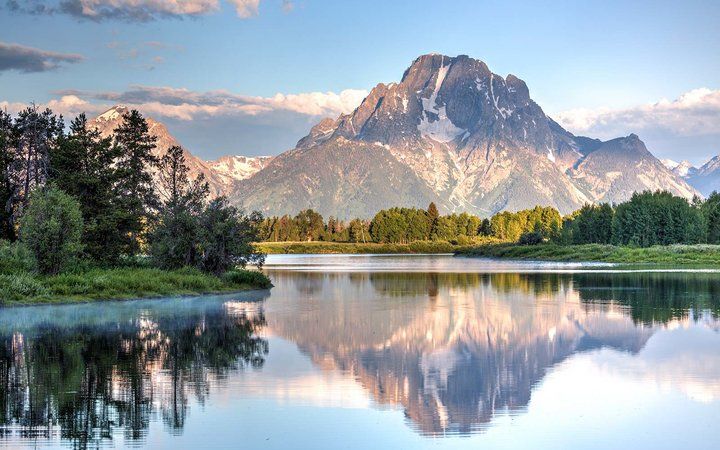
602 68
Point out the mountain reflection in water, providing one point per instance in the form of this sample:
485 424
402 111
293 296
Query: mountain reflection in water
452 351
454 348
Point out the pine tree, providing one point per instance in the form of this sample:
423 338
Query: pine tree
433 215
134 145
82 166
7 155
36 133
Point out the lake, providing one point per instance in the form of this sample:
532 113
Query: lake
377 352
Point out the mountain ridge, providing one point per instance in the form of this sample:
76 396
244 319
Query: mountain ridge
221 174
466 139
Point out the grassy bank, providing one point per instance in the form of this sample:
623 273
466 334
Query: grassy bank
121 283
671 254
349 247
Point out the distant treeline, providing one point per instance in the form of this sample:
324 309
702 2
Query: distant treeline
404 225
647 219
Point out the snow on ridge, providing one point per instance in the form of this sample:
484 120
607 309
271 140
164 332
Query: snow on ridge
442 129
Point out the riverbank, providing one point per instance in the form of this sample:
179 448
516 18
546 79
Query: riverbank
23 288
275 248
671 254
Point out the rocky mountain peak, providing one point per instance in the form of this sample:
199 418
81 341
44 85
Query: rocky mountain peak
453 132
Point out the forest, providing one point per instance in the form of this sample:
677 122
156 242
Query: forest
84 215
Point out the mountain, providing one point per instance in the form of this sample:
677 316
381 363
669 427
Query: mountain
705 178
220 174
231 168
682 169
454 133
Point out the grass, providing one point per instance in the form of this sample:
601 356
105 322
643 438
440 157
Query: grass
672 254
349 247
121 283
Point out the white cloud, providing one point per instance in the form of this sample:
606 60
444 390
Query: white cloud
68 105
246 8
694 113
183 104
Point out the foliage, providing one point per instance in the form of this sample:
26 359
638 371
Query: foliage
15 258
174 239
657 218
134 147
51 228
247 277
591 224
360 248
510 226
226 237
711 213
530 238
82 166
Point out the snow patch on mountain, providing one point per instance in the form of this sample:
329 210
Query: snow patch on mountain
437 127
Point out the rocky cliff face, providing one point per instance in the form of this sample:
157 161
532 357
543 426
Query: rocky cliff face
452 132
221 174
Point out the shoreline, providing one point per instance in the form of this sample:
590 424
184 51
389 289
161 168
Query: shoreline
82 301
122 284
699 254
337 248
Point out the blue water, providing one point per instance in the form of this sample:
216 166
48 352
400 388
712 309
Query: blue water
377 352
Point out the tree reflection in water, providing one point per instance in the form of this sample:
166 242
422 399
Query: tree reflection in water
87 381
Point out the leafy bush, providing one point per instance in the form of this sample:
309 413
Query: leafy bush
532 238
245 277
20 285
15 258
51 229
226 237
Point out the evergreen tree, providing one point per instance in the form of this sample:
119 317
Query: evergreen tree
433 215
36 133
711 211
134 146
7 156
175 237
82 166
657 218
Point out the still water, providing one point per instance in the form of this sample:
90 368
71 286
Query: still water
377 352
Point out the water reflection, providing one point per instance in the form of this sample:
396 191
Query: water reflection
452 349
452 353
87 376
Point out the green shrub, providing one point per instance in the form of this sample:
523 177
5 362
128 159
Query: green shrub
51 229
244 277
532 238
15 258
20 285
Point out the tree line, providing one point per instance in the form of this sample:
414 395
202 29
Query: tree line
405 225
69 194
647 219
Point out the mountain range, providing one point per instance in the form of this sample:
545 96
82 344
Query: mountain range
221 174
705 178
450 132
